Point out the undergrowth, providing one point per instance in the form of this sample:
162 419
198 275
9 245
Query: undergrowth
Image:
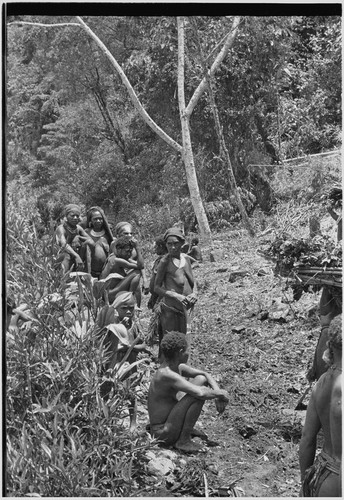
62 437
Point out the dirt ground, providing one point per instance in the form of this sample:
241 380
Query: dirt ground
259 344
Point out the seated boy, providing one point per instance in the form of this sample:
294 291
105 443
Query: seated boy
195 251
171 420
120 273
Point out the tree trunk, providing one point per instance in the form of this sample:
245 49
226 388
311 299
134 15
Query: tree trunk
224 155
185 113
188 158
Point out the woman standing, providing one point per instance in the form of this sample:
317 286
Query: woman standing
175 284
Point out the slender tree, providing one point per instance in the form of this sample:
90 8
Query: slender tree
224 155
185 111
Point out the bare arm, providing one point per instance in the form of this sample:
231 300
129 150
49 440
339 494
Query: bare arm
179 383
336 417
309 436
139 259
159 287
113 262
62 242
188 371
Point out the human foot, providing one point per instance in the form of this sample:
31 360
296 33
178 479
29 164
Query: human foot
202 435
199 433
189 447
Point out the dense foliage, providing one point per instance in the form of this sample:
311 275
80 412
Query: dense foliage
73 132
289 252
63 438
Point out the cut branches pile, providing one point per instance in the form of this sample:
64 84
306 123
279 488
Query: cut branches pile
309 263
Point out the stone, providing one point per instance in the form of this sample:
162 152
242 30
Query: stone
263 315
238 328
221 270
161 462
237 274
279 312
216 255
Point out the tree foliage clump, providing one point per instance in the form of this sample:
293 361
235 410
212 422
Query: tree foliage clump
73 129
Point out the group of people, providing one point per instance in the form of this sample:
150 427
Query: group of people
116 264
177 391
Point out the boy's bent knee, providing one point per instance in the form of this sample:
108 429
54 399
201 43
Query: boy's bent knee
200 380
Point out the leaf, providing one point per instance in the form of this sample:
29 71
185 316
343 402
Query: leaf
46 449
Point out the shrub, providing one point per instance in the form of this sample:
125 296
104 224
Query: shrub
63 438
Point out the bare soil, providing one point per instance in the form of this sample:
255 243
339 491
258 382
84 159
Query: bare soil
259 344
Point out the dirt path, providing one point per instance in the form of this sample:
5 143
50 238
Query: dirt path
262 364
260 361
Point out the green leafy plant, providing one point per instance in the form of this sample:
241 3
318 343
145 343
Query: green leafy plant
63 438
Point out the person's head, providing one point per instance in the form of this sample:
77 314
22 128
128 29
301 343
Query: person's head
95 218
174 239
72 213
160 246
335 335
124 304
194 241
175 347
123 229
124 247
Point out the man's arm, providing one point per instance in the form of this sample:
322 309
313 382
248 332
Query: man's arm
336 417
139 259
309 436
188 371
179 383
112 263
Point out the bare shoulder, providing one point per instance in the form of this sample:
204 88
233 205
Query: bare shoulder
337 387
163 261
60 229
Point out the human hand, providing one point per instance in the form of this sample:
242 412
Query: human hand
220 405
79 263
192 299
126 322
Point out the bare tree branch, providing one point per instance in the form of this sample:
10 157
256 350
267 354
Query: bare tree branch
44 24
143 113
220 57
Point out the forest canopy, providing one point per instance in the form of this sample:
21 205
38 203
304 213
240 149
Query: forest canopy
73 133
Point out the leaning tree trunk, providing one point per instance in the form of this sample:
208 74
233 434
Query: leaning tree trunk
188 158
224 155
185 112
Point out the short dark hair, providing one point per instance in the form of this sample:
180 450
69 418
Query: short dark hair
160 241
124 242
172 343
335 333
